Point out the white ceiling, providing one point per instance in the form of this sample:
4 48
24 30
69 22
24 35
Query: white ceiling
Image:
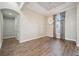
20 4
45 8
50 5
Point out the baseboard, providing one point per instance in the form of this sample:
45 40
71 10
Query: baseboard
58 37
65 38
77 45
21 41
70 39
50 36
8 37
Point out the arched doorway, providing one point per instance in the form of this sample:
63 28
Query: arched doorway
9 27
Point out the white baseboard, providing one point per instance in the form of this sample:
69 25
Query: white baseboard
70 39
65 38
8 37
77 45
58 37
21 41
50 36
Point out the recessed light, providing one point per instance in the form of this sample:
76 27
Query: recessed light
10 13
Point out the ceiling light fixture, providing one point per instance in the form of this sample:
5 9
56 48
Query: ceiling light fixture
10 13
50 20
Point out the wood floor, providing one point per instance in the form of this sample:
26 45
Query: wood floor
39 47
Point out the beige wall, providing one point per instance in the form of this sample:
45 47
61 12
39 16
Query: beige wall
70 24
49 27
32 25
1 21
77 25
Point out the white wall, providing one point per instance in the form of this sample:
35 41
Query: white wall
17 27
32 25
8 28
77 25
70 24
49 28
1 22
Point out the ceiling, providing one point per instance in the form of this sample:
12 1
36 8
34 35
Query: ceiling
50 5
8 13
45 8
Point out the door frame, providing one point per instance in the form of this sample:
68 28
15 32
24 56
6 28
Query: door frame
54 26
1 29
62 25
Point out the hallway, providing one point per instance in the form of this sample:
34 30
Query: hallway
39 47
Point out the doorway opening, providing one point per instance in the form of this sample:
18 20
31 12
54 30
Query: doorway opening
59 25
10 27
